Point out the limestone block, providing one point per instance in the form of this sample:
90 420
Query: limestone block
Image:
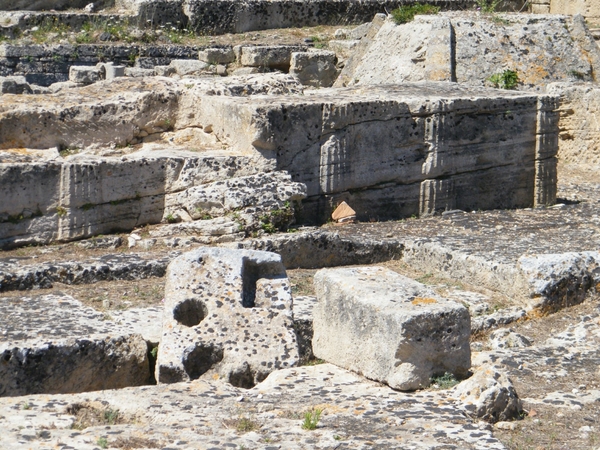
136 72
84 74
271 56
14 85
217 55
112 71
489 395
388 327
53 344
317 69
188 66
227 314
164 71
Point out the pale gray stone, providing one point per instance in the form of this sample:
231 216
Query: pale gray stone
394 329
506 338
14 85
136 72
84 74
53 344
185 67
489 395
316 68
217 55
164 71
227 314
271 56
454 46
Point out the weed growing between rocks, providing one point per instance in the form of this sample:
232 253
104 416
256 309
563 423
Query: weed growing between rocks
89 415
407 13
445 381
242 424
487 6
509 79
311 419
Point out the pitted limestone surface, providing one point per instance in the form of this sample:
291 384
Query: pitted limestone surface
228 313
394 329
24 273
357 414
438 146
53 344
472 47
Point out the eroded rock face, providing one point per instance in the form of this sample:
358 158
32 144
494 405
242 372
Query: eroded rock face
53 344
388 327
470 49
227 314
489 395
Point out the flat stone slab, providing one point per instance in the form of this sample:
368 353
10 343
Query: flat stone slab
388 327
53 344
20 274
202 414
227 314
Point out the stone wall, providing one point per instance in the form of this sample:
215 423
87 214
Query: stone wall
589 9
48 64
396 151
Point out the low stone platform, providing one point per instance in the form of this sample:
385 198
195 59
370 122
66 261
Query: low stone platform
52 344
402 150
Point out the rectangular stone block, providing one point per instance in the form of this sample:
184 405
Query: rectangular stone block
274 56
388 328
84 74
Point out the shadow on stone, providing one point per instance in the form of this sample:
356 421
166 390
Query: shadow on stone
190 312
201 359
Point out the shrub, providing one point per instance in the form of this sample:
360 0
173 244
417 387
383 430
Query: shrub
407 13
509 79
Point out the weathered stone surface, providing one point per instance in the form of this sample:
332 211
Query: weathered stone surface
185 67
14 85
254 195
489 395
394 329
192 416
434 151
88 195
316 68
274 57
84 74
560 280
37 5
455 47
314 249
578 139
53 344
17 275
228 314
505 338
217 55
589 9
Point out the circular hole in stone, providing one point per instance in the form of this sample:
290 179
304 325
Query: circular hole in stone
190 312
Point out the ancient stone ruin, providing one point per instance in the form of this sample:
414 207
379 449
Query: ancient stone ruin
299 224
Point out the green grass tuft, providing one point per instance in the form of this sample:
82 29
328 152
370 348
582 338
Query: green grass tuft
407 13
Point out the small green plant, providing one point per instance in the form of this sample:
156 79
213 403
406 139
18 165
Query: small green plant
26 405
87 206
67 151
102 442
171 218
407 13
445 381
61 211
111 416
242 424
576 74
509 79
315 362
487 6
311 419
154 352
